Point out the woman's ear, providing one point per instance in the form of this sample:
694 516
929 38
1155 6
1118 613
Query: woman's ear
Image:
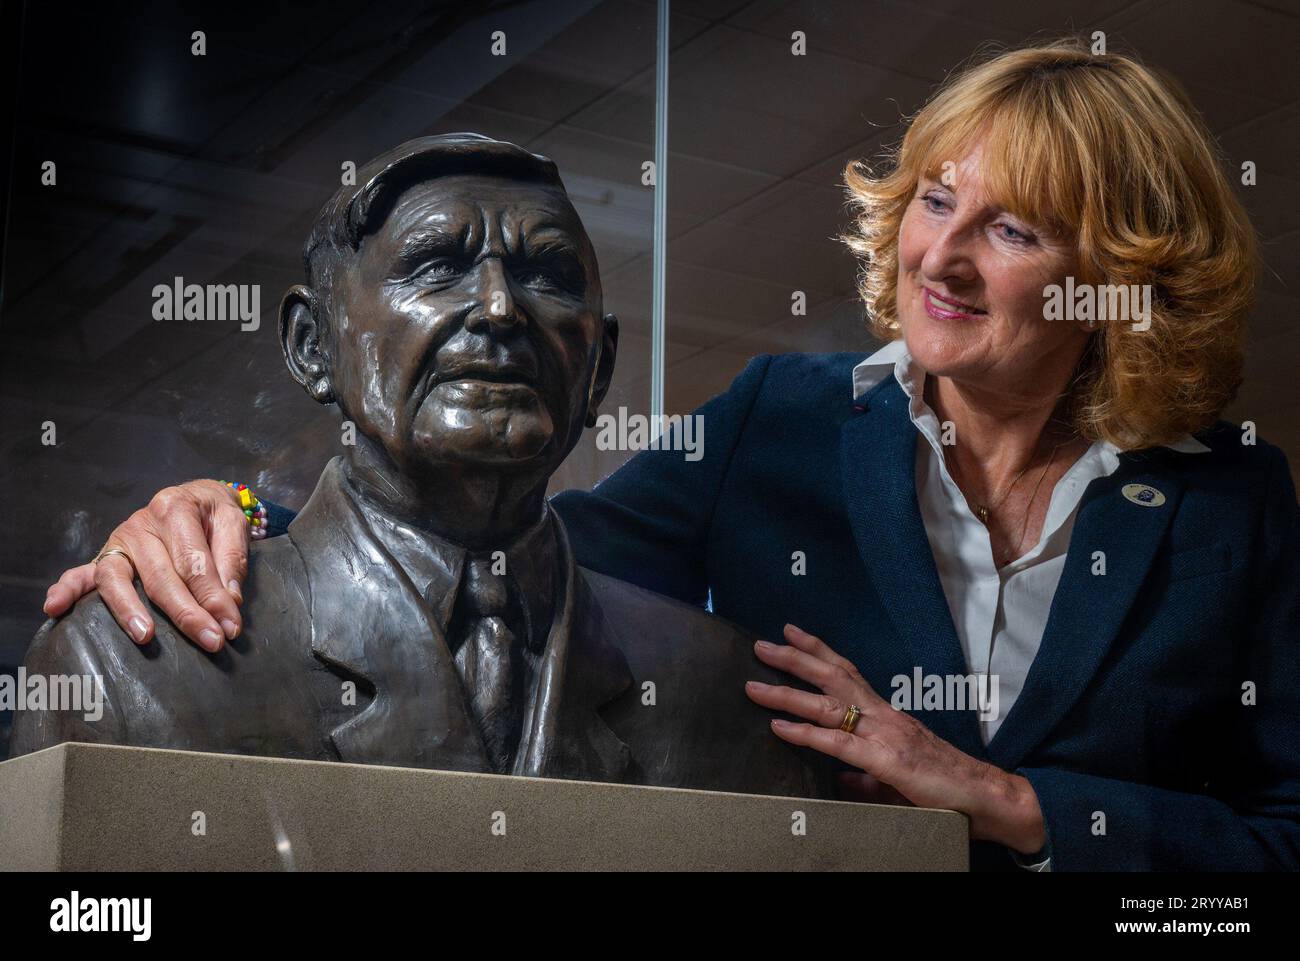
301 332
604 372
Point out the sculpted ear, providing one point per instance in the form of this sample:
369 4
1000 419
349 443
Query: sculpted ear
604 372
300 339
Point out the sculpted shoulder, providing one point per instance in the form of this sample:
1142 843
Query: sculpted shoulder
679 630
170 693
687 718
83 643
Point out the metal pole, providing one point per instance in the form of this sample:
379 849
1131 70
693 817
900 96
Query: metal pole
661 220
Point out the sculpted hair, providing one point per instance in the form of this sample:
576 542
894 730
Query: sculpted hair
1101 149
355 211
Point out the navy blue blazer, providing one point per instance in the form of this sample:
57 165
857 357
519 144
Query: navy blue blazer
1160 721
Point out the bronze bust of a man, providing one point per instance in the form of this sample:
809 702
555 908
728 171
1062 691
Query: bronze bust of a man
425 609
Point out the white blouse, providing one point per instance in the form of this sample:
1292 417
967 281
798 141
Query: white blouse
999 614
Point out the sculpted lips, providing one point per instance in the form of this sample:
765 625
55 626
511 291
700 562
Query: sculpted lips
493 373
479 376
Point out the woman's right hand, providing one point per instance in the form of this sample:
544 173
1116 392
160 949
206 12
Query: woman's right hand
190 550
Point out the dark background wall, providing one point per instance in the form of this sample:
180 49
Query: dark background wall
211 168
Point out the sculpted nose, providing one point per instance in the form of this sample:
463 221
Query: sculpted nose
496 307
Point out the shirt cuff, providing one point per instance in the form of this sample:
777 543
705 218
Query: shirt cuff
1040 860
1045 865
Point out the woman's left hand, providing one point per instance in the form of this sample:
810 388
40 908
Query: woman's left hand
893 748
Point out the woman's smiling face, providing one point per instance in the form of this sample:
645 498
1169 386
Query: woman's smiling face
971 279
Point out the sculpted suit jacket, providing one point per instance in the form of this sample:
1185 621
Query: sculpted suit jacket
1160 721
313 619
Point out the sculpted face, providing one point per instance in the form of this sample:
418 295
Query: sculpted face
467 329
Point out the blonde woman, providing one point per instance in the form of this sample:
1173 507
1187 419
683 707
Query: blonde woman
1026 494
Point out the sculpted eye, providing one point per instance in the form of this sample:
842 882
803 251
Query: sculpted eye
438 271
537 277
550 275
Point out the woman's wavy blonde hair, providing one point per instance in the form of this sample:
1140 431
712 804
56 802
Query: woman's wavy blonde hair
1100 149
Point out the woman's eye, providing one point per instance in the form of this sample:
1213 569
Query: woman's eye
1014 235
933 203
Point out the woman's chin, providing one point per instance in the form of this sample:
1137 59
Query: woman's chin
941 353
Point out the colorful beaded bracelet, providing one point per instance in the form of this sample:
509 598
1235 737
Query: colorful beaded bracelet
254 510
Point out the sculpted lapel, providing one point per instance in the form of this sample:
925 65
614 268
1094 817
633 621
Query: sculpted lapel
368 619
564 734
419 715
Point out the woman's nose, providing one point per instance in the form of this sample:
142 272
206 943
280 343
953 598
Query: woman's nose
949 255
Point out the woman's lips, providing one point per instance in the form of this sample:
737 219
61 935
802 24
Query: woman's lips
941 309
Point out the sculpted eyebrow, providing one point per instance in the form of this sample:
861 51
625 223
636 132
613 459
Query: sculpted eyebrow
429 240
550 245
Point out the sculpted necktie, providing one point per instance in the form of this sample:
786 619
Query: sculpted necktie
490 659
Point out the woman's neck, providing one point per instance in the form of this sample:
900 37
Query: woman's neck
997 435
1000 430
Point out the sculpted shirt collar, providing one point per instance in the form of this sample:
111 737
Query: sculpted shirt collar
895 357
436 568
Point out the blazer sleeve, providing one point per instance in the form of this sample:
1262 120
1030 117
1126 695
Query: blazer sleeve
1251 821
648 522
277 518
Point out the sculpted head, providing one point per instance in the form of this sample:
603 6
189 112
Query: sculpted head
453 309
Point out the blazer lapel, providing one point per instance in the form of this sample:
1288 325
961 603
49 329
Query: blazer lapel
564 735
1088 609
369 620
878 464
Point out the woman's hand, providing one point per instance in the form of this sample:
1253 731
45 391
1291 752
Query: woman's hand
189 548
900 757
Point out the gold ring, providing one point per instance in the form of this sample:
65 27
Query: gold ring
109 552
851 718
